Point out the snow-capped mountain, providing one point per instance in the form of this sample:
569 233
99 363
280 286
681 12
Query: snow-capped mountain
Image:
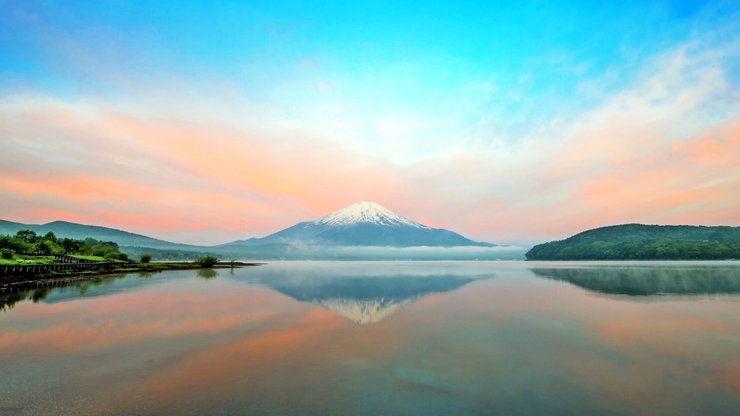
367 212
364 224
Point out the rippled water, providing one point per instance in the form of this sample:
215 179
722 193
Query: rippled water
380 338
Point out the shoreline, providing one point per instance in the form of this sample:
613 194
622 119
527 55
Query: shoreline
10 284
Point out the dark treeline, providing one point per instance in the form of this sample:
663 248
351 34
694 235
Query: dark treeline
644 242
28 243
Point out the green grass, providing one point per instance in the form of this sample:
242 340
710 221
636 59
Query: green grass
96 258
28 260
24 259
93 258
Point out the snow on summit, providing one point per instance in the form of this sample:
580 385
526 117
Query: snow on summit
367 212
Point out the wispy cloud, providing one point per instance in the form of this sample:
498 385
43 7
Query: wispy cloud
193 157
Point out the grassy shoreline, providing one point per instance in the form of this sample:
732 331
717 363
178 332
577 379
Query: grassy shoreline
11 283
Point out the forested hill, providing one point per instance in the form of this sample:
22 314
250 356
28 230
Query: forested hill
644 242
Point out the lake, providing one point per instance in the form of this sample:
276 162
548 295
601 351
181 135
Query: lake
381 338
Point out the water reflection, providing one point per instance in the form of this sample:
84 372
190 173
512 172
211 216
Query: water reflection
207 274
361 298
518 343
60 291
649 280
9 300
349 291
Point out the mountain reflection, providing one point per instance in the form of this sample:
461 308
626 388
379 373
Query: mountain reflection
649 280
360 292
362 299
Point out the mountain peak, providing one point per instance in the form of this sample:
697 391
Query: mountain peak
367 212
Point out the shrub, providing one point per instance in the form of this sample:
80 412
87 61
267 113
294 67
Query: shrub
44 247
118 256
206 261
7 253
146 258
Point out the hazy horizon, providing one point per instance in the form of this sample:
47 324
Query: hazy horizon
507 123
518 245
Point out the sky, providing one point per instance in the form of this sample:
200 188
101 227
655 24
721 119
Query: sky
206 122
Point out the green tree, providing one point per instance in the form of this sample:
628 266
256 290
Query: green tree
27 235
206 261
44 247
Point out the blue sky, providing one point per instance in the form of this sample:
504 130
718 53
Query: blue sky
401 87
270 50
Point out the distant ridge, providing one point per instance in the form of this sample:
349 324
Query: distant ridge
644 242
130 243
67 229
364 223
361 231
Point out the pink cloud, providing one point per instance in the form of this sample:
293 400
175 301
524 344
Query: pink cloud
166 175
650 153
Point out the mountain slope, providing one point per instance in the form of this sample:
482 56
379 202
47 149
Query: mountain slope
64 229
364 230
364 224
644 242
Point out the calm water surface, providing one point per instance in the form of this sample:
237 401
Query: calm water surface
379 338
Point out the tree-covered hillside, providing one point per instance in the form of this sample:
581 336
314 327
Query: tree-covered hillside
135 245
64 229
25 243
644 242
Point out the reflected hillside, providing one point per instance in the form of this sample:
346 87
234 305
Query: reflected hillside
364 299
64 291
8 300
649 280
